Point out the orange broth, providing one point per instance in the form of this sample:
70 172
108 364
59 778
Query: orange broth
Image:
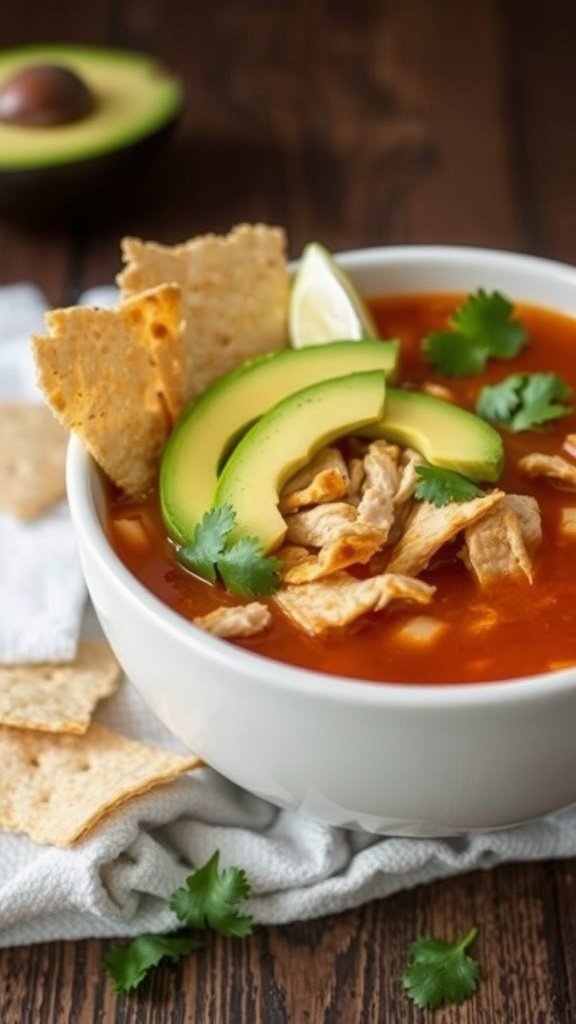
504 631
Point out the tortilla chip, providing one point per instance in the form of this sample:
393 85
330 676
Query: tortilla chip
234 294
55 788
58 697
115 378
32 457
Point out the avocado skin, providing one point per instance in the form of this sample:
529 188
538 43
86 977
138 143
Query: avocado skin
85 191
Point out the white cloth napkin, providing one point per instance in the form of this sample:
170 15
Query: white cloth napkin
116 882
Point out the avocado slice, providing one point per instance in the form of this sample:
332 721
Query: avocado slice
49 170
446 435
284 440
206 432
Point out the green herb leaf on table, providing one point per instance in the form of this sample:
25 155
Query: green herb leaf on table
242 565
525 400
441 973
129 965
443 486
210 899
483 326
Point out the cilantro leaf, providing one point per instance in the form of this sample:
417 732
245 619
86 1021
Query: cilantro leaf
482 327
487 317
209 899
242 564
208 542
129 965
442 486
441 973
453 354
524 400
247 571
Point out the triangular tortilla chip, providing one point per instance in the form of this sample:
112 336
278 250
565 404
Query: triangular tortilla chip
114 377
234 294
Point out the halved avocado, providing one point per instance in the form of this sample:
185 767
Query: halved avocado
52 168
191 460
284 440
446 435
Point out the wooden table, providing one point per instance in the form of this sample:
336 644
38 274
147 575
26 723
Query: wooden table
355 123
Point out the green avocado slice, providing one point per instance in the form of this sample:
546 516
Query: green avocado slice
133 98
284 440
445 434
208 429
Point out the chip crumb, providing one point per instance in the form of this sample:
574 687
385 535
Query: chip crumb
58 697
234 294
57 788
32 459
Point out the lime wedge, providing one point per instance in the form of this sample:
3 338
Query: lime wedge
324 305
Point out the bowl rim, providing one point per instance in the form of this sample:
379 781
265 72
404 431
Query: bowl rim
80 471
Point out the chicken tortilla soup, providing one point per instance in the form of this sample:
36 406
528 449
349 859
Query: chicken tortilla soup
386 578
379 489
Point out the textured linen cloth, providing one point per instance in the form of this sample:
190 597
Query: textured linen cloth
116 881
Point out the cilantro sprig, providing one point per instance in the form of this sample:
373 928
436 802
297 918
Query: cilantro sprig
242 565
483 327
443 486
209 899
525 400
441 973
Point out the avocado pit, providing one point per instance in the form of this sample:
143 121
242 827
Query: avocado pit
44 95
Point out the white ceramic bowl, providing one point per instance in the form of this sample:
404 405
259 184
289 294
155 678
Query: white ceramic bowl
403 760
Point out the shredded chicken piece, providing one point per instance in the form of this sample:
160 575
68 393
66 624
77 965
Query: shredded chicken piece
316 526
349 549
495 548
356 479
568 523
569 445
291 555
529 519
554 468
333 603
430 387
241 620
422 629
429 528
408 479
380 485
325 478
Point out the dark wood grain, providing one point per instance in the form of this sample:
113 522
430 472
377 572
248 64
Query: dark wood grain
404 121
